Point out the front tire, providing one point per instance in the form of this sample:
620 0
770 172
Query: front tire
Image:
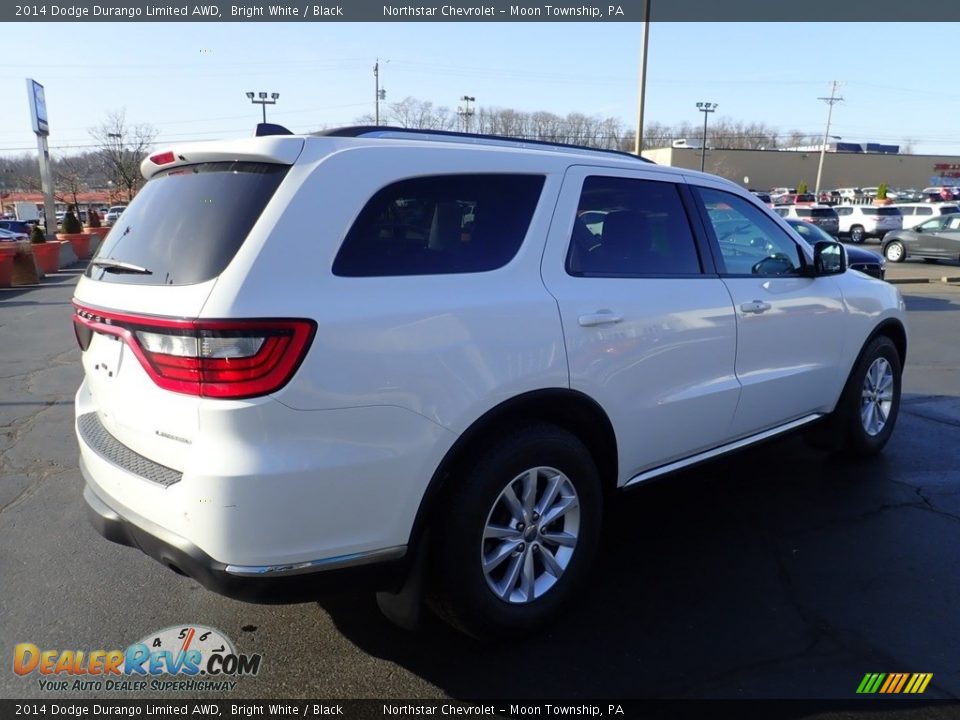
895 252
518 534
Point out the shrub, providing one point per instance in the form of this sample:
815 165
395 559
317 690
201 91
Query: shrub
70 224
93 218
801 188
882 191
37 235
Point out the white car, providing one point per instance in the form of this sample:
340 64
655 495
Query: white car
859 222
915 213
442 379
113 214
11 236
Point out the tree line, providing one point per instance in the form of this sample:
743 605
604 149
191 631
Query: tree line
120 146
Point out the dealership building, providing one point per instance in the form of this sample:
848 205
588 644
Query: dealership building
765 169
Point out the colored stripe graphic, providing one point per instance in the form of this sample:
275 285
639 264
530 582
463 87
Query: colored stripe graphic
894 683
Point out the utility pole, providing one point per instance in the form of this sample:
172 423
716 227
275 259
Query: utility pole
641 95
830 101
378 93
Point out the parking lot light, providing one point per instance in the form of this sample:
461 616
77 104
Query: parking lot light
705 108
264 100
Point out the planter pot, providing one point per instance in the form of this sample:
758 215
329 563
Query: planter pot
6 270
8 248
48 256
883 201
101 231
79 241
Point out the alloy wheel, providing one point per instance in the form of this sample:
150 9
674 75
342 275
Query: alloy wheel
876 396
530 535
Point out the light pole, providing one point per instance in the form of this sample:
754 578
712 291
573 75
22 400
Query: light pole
262 101
465 112
706 108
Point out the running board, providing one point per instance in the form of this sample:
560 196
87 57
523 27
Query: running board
722 450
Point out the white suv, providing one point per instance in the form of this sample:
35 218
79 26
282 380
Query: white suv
403 359
859 222
915 213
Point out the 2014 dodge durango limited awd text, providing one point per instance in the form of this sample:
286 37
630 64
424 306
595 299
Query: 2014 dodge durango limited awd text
425 362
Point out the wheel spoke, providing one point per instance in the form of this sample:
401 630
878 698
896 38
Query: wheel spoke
882 415
492 562
559 538
529 492
885 383
499 532
509 582
549 495
564 506
527 578
513 504
868 418
550 562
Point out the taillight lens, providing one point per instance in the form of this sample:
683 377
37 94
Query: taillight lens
210 358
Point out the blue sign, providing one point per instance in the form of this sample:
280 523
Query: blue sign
38 107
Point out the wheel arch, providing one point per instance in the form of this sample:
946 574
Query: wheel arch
571 410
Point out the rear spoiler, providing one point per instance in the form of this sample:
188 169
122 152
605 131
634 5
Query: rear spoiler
272 148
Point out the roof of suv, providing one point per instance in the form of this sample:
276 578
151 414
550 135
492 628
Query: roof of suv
279 145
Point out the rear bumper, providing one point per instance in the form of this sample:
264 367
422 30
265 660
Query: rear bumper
382 570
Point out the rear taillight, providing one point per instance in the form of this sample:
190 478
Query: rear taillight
209 358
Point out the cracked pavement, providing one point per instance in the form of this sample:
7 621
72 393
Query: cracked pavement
777 573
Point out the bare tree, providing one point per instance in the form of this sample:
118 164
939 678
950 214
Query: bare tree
122 148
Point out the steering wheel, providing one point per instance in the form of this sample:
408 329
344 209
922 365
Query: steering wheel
776 264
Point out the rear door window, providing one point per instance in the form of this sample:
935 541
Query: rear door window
187 223
440 224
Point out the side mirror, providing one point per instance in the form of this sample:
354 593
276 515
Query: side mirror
829 258
918 229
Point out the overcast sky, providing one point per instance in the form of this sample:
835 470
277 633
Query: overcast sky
189 79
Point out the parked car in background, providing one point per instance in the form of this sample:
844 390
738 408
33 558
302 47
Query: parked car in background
916 213
113 214
11 236
763 197
935 239
859 222
17 226
866 261
849 194
797 199
822 216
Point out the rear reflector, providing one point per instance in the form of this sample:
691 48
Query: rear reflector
209 358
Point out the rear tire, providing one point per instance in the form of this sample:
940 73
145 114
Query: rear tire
517 535
857 235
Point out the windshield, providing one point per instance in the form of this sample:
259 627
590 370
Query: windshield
187 223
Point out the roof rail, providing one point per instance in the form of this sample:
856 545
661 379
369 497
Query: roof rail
389 132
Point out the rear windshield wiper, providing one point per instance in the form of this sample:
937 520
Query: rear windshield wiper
118 266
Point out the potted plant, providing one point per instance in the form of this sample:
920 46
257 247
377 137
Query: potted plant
94 227
72 231
46 254
882 198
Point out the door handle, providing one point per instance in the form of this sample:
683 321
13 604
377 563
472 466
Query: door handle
604 317
755 307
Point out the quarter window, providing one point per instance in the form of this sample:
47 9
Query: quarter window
630 228
750 242
440 225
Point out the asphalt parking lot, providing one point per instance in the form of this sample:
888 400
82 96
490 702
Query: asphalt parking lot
778 573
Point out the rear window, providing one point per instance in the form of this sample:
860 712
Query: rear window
881 211
816 212
187 223
949 209
440 225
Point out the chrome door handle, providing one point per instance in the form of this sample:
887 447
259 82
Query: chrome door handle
755 307
604 317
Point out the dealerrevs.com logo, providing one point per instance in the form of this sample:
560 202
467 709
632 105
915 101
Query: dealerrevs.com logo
178 658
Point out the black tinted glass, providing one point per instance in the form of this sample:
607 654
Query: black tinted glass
626 228
187 223
439 225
